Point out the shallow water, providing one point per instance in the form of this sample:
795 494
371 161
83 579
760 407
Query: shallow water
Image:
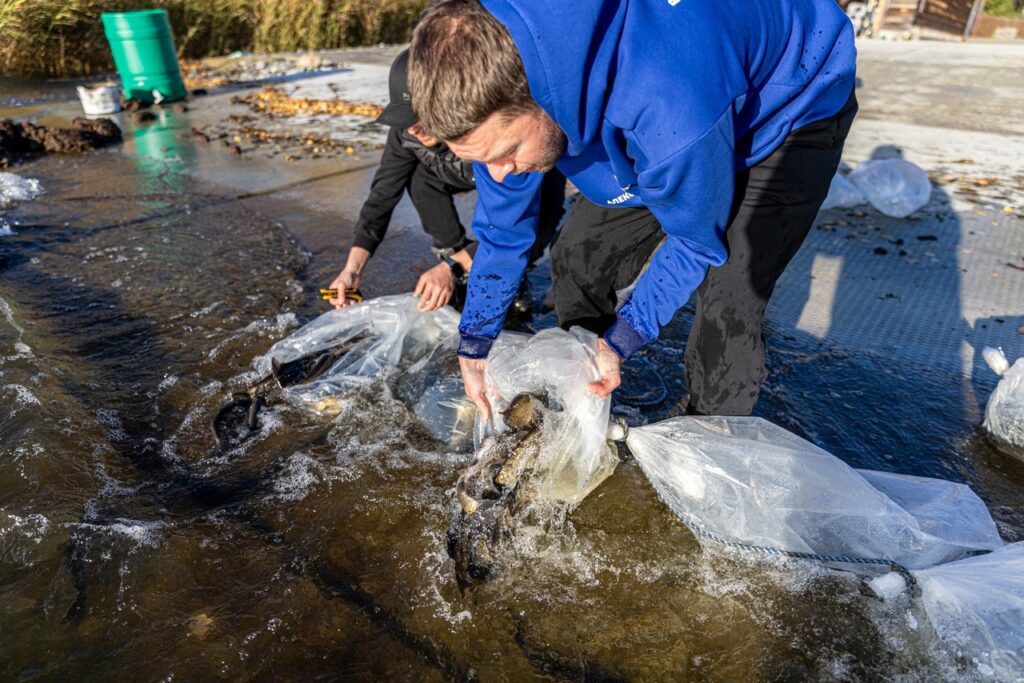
132 300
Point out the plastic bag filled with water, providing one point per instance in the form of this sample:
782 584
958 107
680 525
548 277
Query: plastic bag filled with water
895 187
387 338
1004 413
842 194
558 365
976 606
749 481
750 485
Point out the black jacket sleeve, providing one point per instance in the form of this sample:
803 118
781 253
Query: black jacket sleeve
397 165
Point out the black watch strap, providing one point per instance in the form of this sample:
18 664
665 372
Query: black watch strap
457 270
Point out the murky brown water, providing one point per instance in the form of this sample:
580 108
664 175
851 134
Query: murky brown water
131 302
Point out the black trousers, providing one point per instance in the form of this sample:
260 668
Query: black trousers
434 202
601 250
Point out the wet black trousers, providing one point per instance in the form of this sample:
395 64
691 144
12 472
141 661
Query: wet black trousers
601 250
434 202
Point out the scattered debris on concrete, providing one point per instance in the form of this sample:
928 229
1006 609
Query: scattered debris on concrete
242 69
23 141
295 144
1000 193
276 101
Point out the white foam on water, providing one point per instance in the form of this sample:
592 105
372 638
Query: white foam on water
20 536
5 227
888 586
142 533
32 527
275 326
210 388
110 418
299 475
111 486
21 349
15 188
205 310
23 398
8 314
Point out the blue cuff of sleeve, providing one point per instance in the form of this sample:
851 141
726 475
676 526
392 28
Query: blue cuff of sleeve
471 346
623 339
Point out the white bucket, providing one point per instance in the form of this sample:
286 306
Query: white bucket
103 99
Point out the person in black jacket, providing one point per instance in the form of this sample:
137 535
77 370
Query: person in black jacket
423 166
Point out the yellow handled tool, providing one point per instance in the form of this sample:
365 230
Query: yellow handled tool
351 294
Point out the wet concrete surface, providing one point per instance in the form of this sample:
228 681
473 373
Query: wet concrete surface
139 288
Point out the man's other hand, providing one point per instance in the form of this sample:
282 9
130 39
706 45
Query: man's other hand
346 279
609 365
473 382
435 287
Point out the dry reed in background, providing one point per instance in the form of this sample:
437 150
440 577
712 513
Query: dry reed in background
65 37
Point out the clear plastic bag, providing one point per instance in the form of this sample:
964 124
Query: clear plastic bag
1004 413
842 194
432 389
575 457
384 335
745 482
752 482
977 607
895 187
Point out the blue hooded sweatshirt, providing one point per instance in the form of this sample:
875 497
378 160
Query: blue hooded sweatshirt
662 102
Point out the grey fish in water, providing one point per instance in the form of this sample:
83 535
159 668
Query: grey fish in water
236 420
494 488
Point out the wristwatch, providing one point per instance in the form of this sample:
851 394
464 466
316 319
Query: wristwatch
458 272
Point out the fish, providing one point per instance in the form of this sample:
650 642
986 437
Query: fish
493 490
237 420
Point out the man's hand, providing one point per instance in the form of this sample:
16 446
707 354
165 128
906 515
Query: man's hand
473 381
435 287
350 276
608 364
346 279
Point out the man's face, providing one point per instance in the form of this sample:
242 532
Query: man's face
527 143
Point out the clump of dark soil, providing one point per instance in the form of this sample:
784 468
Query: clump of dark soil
22 141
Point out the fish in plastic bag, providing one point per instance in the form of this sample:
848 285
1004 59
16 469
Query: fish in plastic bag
1004 413
495 488
895 187
545 443
575 457
387 339
400 333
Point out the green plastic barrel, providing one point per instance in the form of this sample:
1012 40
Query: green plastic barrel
144 55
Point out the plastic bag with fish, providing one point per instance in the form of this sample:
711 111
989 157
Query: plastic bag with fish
384 339
1004 413
494 490
545 444
389 332
558 365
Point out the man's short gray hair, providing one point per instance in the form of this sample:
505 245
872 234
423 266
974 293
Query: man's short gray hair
463 67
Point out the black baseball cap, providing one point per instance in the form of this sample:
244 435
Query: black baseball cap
399 110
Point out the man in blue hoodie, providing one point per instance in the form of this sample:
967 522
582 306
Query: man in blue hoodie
703 135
